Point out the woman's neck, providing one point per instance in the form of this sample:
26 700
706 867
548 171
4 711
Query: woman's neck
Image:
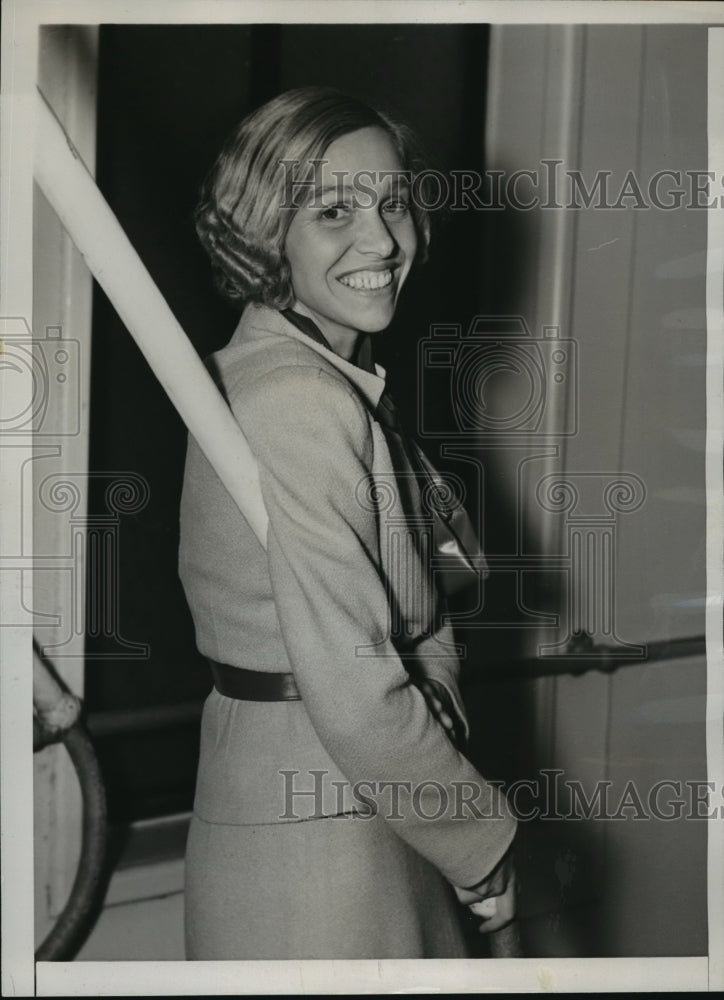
342 340
357 349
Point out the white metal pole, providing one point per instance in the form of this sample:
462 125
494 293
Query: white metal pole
90 223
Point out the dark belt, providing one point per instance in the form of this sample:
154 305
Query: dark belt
253 685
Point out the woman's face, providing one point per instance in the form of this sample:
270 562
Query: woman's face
351 244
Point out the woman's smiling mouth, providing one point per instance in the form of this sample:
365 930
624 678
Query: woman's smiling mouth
367 281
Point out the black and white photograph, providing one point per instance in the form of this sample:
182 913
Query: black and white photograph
361 557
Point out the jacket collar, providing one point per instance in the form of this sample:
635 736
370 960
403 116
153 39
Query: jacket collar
259 322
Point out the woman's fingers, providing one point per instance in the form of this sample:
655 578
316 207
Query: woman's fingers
486 908
496 911
493 901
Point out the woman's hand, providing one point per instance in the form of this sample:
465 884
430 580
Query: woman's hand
440 704
493 900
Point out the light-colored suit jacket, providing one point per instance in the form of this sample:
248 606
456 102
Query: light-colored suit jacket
342 597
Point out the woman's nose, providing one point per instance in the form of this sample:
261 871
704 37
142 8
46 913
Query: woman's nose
373 236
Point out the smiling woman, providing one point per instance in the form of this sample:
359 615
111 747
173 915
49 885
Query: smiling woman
336 815
350 256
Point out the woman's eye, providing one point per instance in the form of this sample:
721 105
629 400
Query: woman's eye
334 213
396 208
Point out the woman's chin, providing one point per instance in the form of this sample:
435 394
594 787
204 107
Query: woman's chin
374 320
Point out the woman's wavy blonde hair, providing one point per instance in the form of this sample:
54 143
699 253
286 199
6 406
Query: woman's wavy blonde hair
242 220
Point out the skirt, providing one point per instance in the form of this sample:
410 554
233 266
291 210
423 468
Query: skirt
341 887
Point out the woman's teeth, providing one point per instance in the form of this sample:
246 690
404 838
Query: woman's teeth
367 279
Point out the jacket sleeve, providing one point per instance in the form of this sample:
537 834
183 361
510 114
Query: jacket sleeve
312 438
437 661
